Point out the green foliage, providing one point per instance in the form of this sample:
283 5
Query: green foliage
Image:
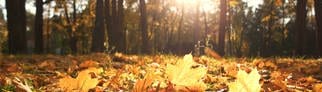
7 88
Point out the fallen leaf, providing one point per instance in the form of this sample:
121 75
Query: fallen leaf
83 82
212 53
13 67
246 82
48 64
183 73
317 88
280 84
231 69
88 63
142 85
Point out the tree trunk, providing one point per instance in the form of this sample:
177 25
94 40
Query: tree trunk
111 14
120 47
109 23
144 27
114 24
318 18
98 33
16 19
72 40
197 29
222 27
39 27
300 26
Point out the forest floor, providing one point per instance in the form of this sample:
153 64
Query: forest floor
119 72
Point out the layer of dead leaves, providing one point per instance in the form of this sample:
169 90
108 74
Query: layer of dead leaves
157 73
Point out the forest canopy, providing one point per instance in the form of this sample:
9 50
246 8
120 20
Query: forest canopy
229 27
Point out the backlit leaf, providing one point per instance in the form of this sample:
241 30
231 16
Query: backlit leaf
246 82
183 73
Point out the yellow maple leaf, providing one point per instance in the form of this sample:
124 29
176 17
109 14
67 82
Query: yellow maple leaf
246 82
83 82
233 3
183 73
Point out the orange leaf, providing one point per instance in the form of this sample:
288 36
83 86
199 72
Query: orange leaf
317 88
48 64
88 63
83 82
142 85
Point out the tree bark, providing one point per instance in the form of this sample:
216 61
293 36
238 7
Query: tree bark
300 26
16 19
222 27
318 18
143 27
39 27
120 28
114 16
98 33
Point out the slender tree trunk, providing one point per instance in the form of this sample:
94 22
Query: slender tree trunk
300 26
120 28
197 29
16 19
318 18
111 18
222 26
144 27
109 23
39 41
98 33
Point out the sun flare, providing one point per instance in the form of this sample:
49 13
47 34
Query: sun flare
204 5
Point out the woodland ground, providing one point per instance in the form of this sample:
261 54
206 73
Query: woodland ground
102 72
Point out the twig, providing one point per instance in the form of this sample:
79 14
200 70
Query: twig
22 86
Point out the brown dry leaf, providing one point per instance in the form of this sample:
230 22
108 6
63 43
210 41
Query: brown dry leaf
88 63
182 73
83 82
317 88
13 67
212 53
246 82
50 65
310 79
280 84
5 80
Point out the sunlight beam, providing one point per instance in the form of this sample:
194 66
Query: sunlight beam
205 5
